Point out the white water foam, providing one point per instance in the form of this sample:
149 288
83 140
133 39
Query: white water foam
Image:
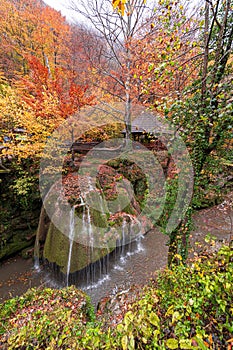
98 283
71 241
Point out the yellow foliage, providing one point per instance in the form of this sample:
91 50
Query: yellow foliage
16 114
120 5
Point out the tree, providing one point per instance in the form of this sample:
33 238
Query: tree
207 114
39 86
204 111
31 28
165 59
37 104
55 95
117 29
16 115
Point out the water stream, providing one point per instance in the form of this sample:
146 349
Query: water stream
119 270
131 264
139 262
71 241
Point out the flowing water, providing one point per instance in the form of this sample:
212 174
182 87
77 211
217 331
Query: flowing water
119 270
71 241
134 264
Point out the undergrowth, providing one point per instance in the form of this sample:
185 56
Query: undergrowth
187 307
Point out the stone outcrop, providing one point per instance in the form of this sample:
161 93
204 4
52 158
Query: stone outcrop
18 233
105 216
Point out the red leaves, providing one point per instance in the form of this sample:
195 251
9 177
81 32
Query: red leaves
52 95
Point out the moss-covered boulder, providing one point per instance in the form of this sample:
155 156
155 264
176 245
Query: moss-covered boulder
105 215
56 250
17 232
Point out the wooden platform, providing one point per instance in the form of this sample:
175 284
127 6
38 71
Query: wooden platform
83 146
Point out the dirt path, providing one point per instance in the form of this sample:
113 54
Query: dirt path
215 222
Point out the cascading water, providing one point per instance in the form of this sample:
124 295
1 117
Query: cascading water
140 247
81 200
111 248
139 239
102 211
37 255
89 228
91 243
141 256
91 187
71 241
123 239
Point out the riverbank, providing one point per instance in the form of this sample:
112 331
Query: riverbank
188 307
135 267
18 274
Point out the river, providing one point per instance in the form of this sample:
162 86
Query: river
136 266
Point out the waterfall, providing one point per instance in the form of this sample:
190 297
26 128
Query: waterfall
130 252
123 239
71 241
102 209
89 230
37 255
81 200
89 227
91 187
140 247
90 242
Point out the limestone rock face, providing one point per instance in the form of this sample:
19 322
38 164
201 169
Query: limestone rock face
18 233
56 250
105 215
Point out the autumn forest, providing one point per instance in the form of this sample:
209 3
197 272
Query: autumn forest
168 58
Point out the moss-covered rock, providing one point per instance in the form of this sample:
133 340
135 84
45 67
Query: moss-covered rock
17 230
17 244
133 173
56 250
99 217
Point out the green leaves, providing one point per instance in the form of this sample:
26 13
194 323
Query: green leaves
189 307
172 343
186 344
46 318
124 342
154 319
128 342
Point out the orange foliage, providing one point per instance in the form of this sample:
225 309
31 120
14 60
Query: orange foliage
54 95
28 27
163 66
39 85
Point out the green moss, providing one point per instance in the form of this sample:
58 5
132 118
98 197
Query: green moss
134 174
19 242
114 163
56 247
56 250
27 252
111 223
117 192
129 210
99 219
118 221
